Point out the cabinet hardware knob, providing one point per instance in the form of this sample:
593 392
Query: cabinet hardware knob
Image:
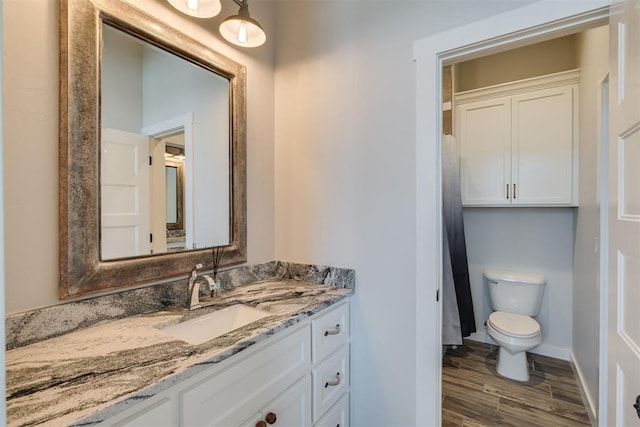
261 424
271 418
514 191
334 382
507 191
335 331
637 405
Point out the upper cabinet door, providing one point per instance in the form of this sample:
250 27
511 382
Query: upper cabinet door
542 146
484 133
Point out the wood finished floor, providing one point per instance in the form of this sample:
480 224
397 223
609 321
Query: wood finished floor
474 395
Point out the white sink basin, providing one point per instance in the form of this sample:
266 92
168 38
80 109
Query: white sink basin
215 324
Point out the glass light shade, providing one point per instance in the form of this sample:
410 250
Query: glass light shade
197 8
243 31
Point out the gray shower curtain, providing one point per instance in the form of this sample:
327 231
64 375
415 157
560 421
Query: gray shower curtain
458 319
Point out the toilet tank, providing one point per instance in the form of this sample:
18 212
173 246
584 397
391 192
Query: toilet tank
515 292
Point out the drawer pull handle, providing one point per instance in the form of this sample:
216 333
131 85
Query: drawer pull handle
271 418
334 382
335 331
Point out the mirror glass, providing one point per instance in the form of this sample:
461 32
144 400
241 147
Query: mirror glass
164 153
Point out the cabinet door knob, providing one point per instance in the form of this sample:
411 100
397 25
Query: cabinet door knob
335 331
271 418
334 382
514 191
261 424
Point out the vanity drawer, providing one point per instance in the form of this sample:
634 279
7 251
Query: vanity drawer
330 381
338 415
329 331
234 394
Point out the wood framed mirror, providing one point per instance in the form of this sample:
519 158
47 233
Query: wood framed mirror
95 254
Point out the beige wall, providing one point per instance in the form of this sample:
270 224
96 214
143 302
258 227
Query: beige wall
538 59
30 85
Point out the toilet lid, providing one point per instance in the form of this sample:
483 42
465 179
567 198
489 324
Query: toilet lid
513 324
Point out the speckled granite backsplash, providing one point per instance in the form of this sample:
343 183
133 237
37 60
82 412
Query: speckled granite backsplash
37 325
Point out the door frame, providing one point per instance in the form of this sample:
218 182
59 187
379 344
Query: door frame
539 21
603 198
168 127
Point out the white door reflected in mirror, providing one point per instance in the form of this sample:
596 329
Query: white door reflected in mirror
124 185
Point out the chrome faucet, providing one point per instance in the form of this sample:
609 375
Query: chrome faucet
193 301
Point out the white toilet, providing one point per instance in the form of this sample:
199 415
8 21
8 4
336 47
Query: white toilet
516 299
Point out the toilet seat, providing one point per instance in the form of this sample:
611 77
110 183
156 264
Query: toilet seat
514 325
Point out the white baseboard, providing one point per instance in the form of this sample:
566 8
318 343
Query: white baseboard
584 391
542 349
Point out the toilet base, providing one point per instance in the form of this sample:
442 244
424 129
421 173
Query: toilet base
513 366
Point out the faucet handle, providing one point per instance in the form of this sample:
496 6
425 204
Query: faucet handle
209 281
194 270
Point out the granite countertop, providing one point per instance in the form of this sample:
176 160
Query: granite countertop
91 374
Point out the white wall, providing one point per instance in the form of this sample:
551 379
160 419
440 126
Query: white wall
30 106
531 240
345 172
121 81
592 53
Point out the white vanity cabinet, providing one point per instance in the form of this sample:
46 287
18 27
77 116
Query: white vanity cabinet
299 377
518 142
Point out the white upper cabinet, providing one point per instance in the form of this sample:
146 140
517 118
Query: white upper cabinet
518 142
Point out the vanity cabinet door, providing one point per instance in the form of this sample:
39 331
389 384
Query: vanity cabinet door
291 409
229 397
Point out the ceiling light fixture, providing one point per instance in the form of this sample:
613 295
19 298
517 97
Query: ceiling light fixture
241 29
197 8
